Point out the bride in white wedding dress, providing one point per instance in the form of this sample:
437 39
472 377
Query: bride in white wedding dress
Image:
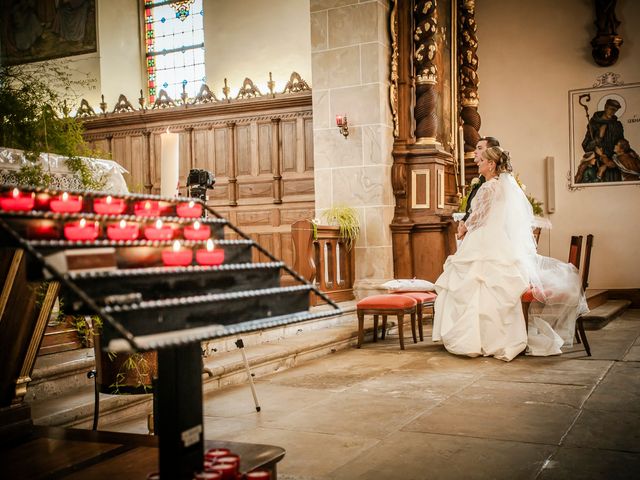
478 309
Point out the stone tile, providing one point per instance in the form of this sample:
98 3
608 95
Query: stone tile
377 144
418 456
374 59
317 5
318 31
375 263
322 179
618 391
560 369
218 428
633 355
502 420
588 464
309 455
339 67
332 150
361 186
611 430
322 117
353 24
366 415
376 226
364 105
443 361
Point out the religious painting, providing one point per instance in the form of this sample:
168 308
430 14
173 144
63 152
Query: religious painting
605 135
444 59
36 30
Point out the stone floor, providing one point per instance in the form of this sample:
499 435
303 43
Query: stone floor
381 413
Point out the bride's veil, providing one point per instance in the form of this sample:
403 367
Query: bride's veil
556 285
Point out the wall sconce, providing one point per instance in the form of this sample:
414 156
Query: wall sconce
343 126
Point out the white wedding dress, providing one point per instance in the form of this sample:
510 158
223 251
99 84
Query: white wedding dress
478 309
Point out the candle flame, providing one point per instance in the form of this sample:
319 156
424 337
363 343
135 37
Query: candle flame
123 223
196 225
210 245
109 199
176 246
16 193
65 196
158 224
82 223
191 204
147 205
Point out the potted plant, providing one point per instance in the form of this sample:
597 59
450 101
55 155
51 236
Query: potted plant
347 221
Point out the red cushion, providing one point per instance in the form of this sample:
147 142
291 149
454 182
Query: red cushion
386 301
422 297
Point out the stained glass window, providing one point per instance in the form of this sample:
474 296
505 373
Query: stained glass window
174 39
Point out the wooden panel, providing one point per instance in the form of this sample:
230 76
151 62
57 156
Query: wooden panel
220 148
289 148
286 248
220 194
243 142
299 186
264 148
120 153
254 218
137 162
204 154
255 189
308 145
291 216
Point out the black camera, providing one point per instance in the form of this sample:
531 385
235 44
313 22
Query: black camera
200 178
198 182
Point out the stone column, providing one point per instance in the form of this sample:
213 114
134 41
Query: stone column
350 51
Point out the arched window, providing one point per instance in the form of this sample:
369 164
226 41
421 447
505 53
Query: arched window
174 40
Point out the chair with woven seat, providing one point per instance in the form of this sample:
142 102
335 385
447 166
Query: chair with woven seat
384 305
424 300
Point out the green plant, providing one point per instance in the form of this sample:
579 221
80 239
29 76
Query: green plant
346 219
34 117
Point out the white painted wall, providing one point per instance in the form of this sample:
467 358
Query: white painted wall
252 38
530 55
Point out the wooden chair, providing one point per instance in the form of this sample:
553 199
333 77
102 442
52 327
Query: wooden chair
385 305
424 300
575 252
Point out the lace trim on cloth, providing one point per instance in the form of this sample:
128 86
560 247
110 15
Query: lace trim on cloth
481 205
12 160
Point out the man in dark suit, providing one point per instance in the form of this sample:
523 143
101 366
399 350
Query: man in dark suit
481 146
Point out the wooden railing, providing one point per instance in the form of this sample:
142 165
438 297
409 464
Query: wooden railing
323 260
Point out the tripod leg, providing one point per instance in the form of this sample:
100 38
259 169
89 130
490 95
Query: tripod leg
240 345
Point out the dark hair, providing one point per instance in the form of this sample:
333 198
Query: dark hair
624 145
500 157
491 141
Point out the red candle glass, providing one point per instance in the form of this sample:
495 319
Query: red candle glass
158 232
147 208
176 256
109 205
189 210
197 231
258 475
231 459
42 230
214 453
66 203
81 230
123 231
207 476
17 201
226 471
210 255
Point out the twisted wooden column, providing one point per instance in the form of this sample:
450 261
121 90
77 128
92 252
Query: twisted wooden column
468 80
425 16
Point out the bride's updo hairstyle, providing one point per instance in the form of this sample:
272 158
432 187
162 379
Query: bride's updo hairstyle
500 157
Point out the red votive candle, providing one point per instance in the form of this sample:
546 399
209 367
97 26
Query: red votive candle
17 201
66 203
207 476
176 256
81 230
123 231
197 231
231 459
42 230
147 208
189 210
158 232
214 453
109 205
258 475
210 255
227 471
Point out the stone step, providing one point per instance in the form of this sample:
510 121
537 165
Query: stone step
62 395
600 316
595 298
